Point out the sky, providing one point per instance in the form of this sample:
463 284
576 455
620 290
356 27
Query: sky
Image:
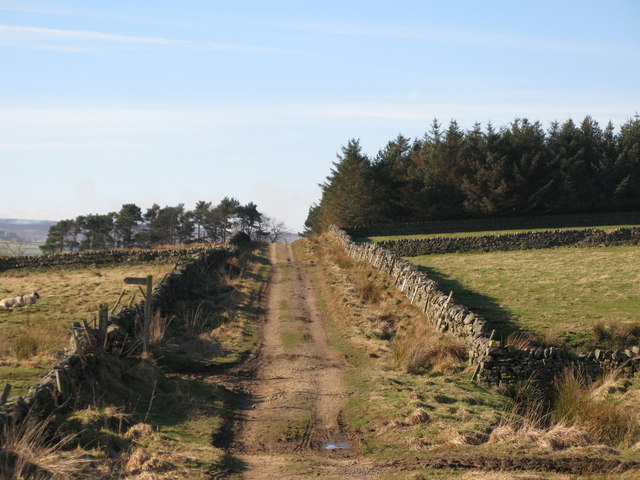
104 103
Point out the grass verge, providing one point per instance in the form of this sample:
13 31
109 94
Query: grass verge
418 410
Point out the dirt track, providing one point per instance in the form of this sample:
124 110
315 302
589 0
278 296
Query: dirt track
295 388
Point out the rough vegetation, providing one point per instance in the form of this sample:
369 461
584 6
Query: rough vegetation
144 420
412 406
32 338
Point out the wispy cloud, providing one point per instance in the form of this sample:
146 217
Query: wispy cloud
86 40
453 36
25 7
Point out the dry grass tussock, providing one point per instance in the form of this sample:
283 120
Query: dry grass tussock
616 336
158 327
587 405
421 348
28 453
341 258
525 340
581 413
368 289
144 463
556 437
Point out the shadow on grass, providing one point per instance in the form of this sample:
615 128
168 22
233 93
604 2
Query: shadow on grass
194 410
487 307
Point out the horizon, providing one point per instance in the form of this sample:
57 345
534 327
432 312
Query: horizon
156 103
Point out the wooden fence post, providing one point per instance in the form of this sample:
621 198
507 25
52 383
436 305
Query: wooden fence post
103 319
146 321
147 315
5 394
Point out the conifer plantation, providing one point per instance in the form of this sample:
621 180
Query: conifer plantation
519 169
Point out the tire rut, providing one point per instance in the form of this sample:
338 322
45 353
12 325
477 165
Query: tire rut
296 389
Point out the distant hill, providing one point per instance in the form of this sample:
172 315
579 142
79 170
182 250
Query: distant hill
29 230
290 237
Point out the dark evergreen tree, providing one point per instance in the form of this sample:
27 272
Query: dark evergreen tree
627 167
530 172
312 224
226 211
484 184
97 231
126 221
392 172
200 214
351 195
61 237
248 218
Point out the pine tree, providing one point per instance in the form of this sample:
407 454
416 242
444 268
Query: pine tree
351 195
392 170
126 221
200 213
627 189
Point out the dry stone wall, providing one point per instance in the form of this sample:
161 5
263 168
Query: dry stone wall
89 358
590 237
99 257
547 222
442 312
496 363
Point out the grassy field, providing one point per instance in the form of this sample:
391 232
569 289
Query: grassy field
558 293
501 224
20 248
607 228
33 337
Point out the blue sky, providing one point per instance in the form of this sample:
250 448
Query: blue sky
105 103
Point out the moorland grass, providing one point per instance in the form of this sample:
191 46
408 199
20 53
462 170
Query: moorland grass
386 392
558 293
33 337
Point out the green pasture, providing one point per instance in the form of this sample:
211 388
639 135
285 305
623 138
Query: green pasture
608 228
558 293
486 226
28 249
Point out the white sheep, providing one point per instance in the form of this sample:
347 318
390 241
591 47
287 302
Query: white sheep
12 302
30 299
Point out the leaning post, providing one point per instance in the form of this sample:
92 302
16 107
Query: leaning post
147 315
103 320
5 394
146 322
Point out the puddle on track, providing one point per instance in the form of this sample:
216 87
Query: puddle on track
336 446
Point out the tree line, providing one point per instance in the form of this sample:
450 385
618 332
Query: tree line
519 169
170 225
